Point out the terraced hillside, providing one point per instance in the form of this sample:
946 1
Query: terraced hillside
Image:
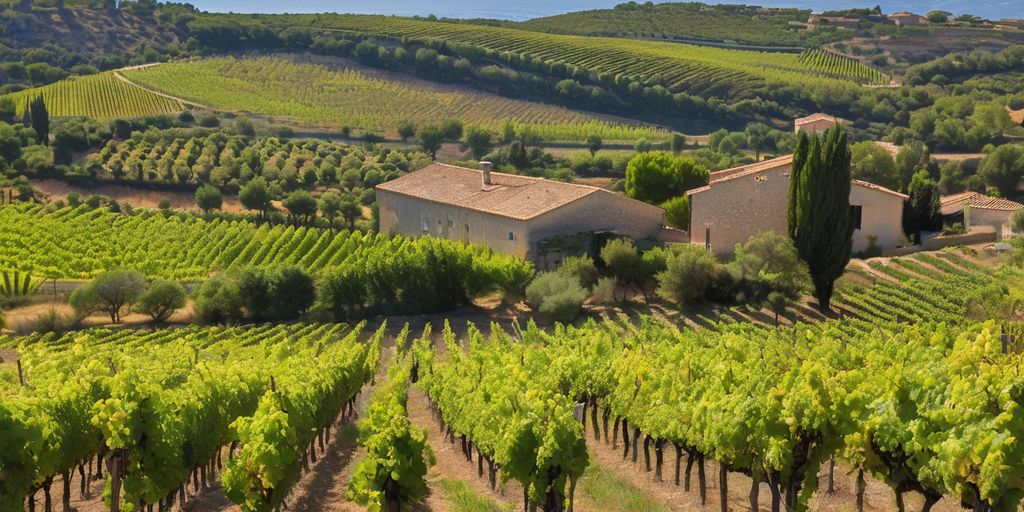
317 94
101 96
726 73
688 20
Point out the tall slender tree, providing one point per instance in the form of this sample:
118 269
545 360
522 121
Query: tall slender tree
40 119
26 115
819 213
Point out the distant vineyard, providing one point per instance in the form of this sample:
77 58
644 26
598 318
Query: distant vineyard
99 96
841 66
732 74
317 94
73 243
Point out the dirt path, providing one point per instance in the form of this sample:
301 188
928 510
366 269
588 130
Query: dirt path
450 463
138 197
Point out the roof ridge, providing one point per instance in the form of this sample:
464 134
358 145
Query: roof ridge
519 176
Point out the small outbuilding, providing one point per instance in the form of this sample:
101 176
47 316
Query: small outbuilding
816 123
518 215
741 202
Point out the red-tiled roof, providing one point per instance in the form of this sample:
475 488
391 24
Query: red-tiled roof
981 202
954 203
508 195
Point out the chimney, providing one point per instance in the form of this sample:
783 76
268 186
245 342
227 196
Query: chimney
486 168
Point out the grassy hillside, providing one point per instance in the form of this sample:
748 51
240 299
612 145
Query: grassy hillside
725 73
99 96
738 23
321 95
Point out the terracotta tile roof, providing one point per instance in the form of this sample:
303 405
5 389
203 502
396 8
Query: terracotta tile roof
508 195
872 186
993 203
954 203
819 117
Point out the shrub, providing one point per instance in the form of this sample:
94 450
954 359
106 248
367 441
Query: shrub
688 275
161 300
580 268
677 212
557 295
218 300
769 262
621 258
292 293
603 292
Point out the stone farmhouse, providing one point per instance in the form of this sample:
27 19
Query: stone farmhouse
816 123
511 214
908 19
741 202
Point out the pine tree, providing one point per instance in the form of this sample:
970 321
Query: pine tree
819 214
40 120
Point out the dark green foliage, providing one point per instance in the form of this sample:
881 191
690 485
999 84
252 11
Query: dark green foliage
10 143
819 215
921 211
208 198
872 163
594 144
405 130
430 138
657 177
677 212
479 141
218 300
689 273
301 206
40 120
582 269
1004 168
161 300
292 293
255 196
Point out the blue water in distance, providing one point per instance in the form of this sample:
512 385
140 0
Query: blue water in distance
526 9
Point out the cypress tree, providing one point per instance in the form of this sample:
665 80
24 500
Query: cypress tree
40 119
26 115
819 214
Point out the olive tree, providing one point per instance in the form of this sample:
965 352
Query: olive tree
109 293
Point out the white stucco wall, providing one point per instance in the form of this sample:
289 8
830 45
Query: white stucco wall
881 216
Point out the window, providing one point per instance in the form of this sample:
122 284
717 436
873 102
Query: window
467 228
707 237
511 235
856 211
450 223
424 224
